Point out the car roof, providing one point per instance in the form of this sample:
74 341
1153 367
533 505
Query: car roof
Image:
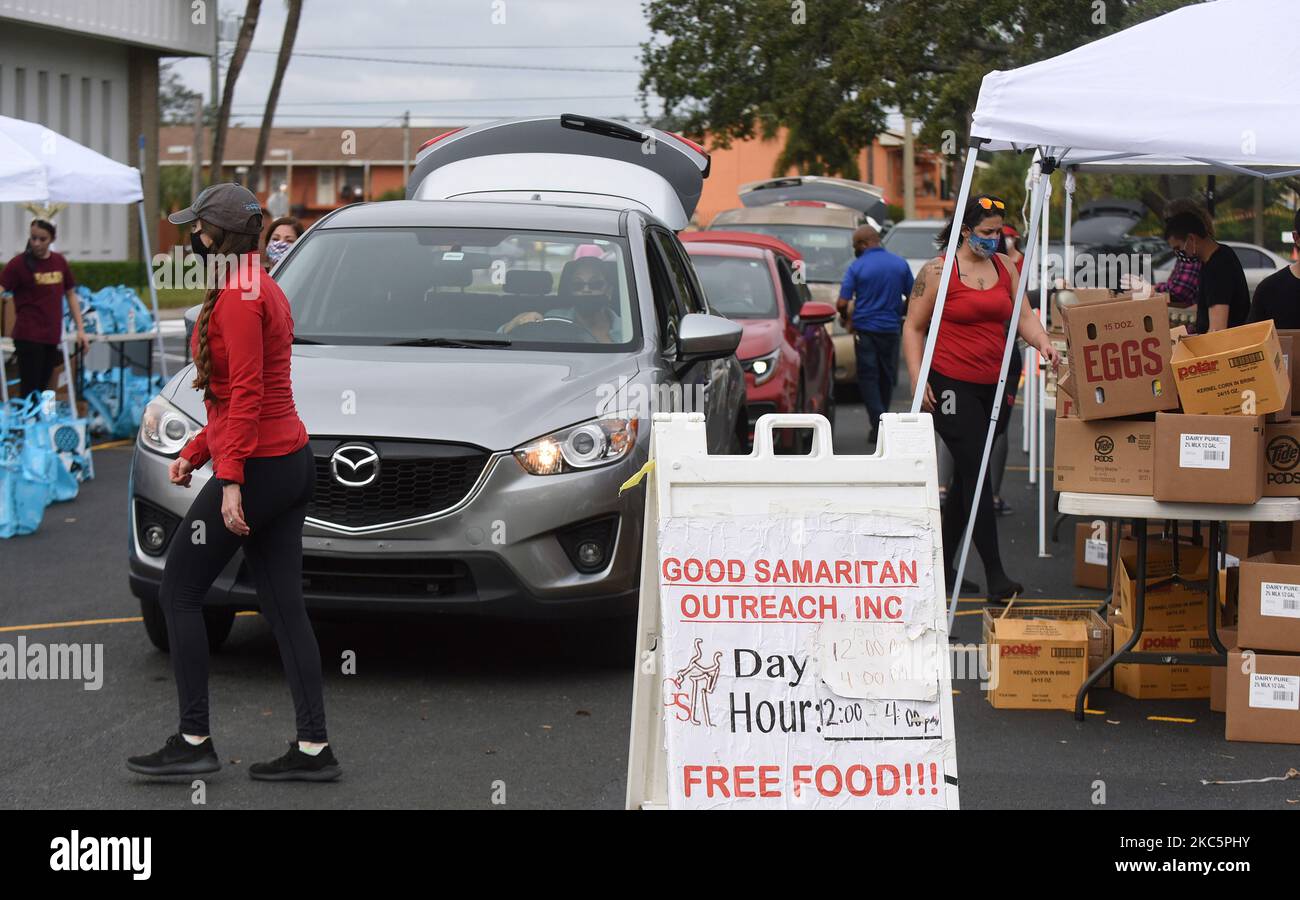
788 215
742 239
477 214
935 224
721 248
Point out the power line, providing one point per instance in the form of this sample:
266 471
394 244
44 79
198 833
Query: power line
455 65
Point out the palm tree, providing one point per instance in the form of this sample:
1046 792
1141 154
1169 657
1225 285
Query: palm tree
228 93
281 64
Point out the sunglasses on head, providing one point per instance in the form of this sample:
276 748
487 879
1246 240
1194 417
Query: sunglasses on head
990 203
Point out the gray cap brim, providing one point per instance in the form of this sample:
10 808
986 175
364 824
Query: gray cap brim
183 216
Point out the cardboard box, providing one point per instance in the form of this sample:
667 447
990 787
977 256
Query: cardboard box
1295 369
1120 357
1154 681
1282 460
1100 637
1065 394
1264 703
1268 614
1265 536
1078 297
1213 370
1110 456
1209 459
1237 539
1174 606
1036 663
1284 414
1091 569
1219 674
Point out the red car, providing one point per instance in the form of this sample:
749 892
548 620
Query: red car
786 352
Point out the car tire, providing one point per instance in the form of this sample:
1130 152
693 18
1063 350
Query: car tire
218 621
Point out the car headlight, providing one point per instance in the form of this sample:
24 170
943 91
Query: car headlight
762 367
584 446
164 428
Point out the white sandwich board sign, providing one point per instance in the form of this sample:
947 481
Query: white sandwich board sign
792 642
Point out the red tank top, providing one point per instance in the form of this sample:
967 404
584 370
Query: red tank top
973 332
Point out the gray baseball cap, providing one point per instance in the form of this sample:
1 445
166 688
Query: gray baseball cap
229 206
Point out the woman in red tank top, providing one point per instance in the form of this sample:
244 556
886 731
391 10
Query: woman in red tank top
965 370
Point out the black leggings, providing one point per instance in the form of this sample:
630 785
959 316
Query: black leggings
961 417
275 494
36 363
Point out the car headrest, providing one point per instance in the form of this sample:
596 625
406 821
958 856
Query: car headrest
453 274
528 281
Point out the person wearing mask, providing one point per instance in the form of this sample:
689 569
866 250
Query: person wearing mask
1222 297
965 370
1278 296
282 235
1183 284
256 499
876 283
584 284
39 279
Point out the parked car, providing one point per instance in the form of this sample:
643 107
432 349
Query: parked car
913 239
1258 263
785 351
461 467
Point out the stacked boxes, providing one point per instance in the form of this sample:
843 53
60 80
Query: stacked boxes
1263 676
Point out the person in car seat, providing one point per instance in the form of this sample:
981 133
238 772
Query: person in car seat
584 283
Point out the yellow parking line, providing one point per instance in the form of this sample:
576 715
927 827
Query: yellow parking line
41 626
113 445
1094 712
1170 719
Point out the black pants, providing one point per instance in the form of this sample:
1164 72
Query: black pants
36 363
877 358
961 418
275 495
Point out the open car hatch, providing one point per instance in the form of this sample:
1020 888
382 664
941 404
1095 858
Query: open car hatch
565 158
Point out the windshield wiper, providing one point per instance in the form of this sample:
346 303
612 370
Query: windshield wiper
452 342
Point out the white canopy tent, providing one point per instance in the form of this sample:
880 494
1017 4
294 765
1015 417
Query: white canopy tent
40 165
1099 104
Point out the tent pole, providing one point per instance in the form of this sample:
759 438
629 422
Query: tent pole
1041 374
67 373
147 252
963 194
1029 380
1069 246
1012 330
1030 427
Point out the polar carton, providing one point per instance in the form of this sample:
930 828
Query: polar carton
1172 606
1264 699
1036 663
1216 370
1155 681
1120 357
1268 606
1209 458
1108 456
1099 630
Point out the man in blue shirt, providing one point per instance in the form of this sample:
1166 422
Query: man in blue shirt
876 283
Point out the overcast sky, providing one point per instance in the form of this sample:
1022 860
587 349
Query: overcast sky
577 34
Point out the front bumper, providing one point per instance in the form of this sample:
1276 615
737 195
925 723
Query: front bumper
498 552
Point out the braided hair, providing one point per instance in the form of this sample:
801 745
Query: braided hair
224 243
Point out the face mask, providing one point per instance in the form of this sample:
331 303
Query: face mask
197 245
1183 255
981 246
276 249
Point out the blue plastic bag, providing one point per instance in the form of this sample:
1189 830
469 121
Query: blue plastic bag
26 477
110 310
114 411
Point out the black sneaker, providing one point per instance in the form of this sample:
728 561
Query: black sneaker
298 766
177 757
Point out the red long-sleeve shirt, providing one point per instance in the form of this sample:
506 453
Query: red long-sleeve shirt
250 339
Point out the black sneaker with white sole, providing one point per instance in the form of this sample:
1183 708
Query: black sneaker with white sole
177 757
298 766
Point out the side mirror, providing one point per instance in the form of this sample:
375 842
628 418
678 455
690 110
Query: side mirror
816 312
702 336
192 321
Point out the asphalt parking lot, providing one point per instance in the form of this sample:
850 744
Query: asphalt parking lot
455 713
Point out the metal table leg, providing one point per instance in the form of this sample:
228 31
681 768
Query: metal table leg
1139 615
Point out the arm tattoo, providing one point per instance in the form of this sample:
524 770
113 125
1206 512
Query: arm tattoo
918 288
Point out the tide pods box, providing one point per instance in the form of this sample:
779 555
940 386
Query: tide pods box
1216 371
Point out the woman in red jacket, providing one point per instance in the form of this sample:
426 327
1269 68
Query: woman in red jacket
257 498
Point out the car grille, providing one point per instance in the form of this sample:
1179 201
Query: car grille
394 576
416 478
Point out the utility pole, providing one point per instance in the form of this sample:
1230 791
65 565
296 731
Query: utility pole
406 147
909 170
196 151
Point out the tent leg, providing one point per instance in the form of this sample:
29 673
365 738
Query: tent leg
1069 246
1041 395
153 292
1012 329
963 194
67 373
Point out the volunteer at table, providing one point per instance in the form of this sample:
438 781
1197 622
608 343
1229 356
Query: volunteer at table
256 499
39 279
1222 297
965 370
1278 296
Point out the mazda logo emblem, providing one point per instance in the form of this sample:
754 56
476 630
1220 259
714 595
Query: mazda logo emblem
354 465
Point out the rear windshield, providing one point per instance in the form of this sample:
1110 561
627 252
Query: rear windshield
496 287
737 288
913 243
826 252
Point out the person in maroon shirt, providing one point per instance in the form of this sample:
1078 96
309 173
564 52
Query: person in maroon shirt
39 279
256 500
965 370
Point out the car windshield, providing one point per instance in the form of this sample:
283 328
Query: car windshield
737 288
462 287
912 243
826 252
